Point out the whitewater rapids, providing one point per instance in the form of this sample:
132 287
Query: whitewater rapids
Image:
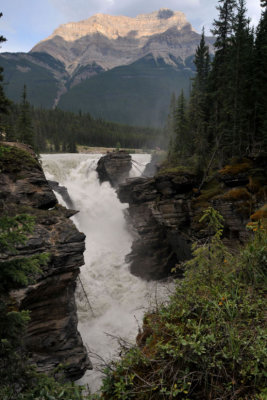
109 299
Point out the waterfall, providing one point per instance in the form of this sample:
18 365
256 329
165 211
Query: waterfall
109 299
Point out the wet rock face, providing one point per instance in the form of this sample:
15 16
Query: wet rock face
153 166
114 167
52 337
165 212
63 191
159 210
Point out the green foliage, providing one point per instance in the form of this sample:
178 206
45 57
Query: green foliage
226 114
136 94
43 387
19 381
13 160
16 271
149 82
36 72
209 341
4 102
24 128
37 386
81 129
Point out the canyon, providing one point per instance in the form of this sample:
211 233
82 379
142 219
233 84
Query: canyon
163 216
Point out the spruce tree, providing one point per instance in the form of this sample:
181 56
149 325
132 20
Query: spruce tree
260 79
4 102
221 77
240 80
198 105
181 127
25 129
168 130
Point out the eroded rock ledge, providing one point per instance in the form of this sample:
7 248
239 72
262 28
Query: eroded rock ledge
52 337
165 212
114 167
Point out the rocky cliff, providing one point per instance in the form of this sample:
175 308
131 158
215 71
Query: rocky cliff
114 167
52 337
165 212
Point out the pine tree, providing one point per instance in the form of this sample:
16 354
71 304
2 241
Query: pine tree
181 127
168 130
4 102
240 81
25 129
202 63
260 79
198 105
220 78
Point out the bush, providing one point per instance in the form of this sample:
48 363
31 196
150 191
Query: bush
209 342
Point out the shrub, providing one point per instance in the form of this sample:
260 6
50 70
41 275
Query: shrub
209 342
236 167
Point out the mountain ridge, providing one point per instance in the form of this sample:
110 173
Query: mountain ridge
58 70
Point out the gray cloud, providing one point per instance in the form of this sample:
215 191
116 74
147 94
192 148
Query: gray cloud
28 21
198 12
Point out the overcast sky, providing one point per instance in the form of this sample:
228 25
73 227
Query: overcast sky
26 22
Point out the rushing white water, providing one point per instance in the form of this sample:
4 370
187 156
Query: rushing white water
109 299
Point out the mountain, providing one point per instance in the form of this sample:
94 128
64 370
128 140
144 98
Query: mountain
118 68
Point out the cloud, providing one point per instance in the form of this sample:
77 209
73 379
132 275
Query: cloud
82 9
26 22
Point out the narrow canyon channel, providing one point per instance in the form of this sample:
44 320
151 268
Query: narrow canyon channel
110 300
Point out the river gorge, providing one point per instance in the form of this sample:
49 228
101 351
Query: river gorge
110 300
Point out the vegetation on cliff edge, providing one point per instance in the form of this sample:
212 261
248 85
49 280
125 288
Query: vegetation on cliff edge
209 341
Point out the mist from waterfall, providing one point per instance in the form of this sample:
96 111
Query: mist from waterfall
109 299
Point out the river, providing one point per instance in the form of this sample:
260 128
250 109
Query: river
110 300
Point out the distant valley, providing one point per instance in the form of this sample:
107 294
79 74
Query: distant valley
116 68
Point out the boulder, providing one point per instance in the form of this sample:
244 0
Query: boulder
114 167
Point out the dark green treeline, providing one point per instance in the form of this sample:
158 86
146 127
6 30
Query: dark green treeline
226 114
57 130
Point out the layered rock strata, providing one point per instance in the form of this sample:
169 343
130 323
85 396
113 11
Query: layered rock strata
159 209
114 167
52 337
107 41
165 212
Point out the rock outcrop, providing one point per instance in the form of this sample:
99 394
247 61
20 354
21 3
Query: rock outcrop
114 167
165 212
153 166
62 190
159 209
52 337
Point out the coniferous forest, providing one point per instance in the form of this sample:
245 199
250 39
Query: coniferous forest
61 131
226 113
